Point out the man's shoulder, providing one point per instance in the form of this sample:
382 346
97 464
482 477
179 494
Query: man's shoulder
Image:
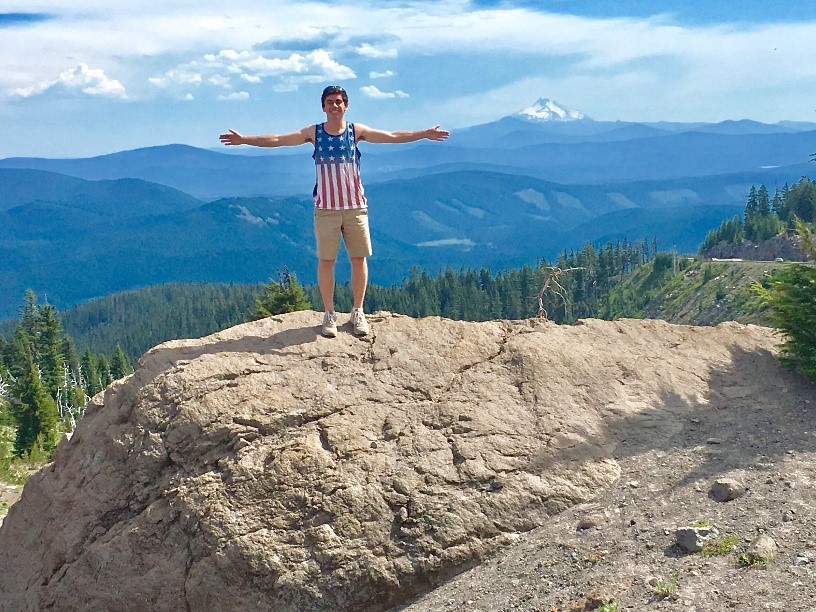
310 132
360 130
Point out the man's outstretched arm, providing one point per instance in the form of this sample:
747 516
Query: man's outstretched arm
368 134
291 139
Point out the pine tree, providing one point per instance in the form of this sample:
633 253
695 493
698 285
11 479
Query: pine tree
6 382
48 348
778 205
281 297
69 355
800 201
792 297
35 411
90 373
752 205
120 366
28 315
104 370
763 202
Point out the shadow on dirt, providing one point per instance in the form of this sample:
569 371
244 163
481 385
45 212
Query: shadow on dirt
757 411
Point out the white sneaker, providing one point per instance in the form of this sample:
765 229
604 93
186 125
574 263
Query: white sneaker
329 324
359 322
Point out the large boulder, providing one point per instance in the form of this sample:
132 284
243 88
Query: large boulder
268 468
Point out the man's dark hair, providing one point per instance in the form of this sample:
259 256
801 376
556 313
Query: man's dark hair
333 89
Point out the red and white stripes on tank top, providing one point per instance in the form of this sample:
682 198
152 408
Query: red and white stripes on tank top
337 170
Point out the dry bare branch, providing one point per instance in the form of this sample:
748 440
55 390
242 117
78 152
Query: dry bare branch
553 274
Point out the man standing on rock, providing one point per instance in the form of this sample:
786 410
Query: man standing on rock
340 202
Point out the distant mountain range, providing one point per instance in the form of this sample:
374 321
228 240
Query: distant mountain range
537 142
501 194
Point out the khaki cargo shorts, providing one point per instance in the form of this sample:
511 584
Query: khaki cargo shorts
352 224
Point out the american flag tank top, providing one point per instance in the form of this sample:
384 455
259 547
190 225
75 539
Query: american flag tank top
337 170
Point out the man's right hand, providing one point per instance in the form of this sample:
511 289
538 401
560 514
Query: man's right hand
231 138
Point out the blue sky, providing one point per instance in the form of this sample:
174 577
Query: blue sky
82 78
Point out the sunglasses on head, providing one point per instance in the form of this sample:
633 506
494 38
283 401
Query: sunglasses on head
334 89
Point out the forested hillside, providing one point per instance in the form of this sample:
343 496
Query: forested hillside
140 319
617 280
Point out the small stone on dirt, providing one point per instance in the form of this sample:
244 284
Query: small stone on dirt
691 539
726 489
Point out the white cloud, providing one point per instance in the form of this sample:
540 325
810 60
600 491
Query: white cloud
373 92
331 70
630 68
189 96
254 67
181 77
235 95
219 81
91 81
367 50
231 55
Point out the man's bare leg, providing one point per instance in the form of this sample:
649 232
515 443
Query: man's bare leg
359 279
325 282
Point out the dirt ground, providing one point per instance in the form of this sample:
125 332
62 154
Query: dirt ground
621 547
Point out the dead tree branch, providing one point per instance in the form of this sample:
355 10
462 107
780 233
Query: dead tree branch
553 287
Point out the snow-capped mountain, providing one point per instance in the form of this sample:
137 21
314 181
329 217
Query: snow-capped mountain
545 109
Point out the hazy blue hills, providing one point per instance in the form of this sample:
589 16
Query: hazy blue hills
102 240
497 195
133 197
588 130
690 154
681 227
570 152
202 173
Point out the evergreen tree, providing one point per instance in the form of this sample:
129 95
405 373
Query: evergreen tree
763 202
104 370
752 205
281 297
800 201
28 315
120 366
35 412
792 297
69 355
6 383
48 348
90 374
778 205
19 352
763 227
4 348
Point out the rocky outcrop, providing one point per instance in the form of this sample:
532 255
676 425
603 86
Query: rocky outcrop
781 246
268 468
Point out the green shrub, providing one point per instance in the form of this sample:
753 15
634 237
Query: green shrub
7 436
13 471
792 298
752 561
667 588
720 546
609 606
281 297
